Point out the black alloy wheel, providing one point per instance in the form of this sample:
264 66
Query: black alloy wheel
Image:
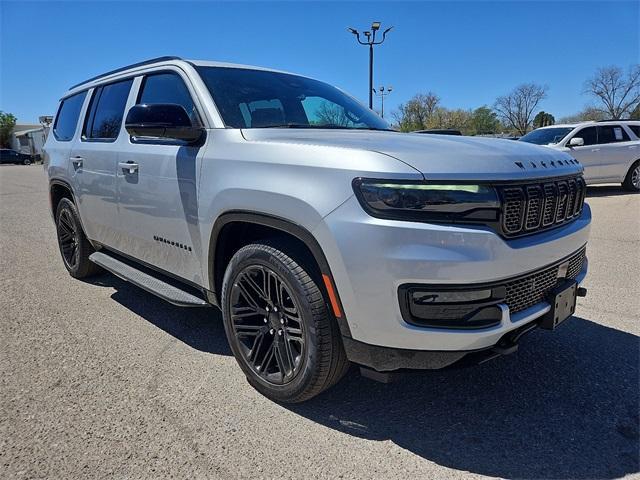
266 322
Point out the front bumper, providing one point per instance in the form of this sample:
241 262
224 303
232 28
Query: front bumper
371 258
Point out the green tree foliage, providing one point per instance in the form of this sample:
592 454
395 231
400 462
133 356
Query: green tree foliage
7 122
484 121
543 119
417 112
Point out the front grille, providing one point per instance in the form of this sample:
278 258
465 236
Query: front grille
534 207
524 292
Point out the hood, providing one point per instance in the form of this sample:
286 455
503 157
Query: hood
437 157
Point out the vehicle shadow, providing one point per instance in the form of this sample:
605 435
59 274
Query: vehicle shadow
200 328
607 191
564 406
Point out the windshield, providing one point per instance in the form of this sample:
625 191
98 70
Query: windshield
261 99
546 136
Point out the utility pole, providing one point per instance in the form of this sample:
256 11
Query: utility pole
382 92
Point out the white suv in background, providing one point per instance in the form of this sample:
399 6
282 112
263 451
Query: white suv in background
608 150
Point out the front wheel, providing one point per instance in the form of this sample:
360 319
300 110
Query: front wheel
632 180
279 327
26 161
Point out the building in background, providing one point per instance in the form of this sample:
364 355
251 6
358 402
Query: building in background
28 138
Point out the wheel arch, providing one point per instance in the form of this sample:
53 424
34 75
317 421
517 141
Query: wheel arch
59 189
275 226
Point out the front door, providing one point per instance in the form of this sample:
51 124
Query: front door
589 153
157 189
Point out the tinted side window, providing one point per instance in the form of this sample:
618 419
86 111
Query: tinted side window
612 134
106 111
635 129
589 135
67 118
168 88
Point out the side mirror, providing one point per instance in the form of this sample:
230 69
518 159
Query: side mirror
576 142
162 120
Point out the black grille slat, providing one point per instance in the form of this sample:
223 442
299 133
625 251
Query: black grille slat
514 203
533 207
527 291
550 204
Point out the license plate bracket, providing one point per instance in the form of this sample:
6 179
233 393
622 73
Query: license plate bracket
562 299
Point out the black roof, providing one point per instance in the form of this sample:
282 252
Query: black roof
122 69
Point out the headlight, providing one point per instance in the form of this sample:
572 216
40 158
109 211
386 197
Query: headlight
428 201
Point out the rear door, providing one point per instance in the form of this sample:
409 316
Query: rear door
589 153
94 159
617 152
157 186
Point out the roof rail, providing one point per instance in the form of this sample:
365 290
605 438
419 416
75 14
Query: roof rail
615 120
122 69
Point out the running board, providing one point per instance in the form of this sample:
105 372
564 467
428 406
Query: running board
147 282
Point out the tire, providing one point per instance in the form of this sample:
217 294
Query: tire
74 246
632 180
26 161
283 336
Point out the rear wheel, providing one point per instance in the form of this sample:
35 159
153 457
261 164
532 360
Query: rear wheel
74 246
632 180
26 161
279 327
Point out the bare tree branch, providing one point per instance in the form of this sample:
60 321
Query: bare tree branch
516 109
618 93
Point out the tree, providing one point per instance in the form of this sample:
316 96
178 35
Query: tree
543 119
416 113
635 115
589 113
618 93
7 122
483 121
516 108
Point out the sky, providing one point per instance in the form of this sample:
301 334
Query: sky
468 53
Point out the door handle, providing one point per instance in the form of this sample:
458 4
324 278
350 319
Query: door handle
128 167
77 162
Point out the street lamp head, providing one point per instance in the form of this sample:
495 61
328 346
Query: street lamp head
389 88
382 88
375 26
367 34
353 30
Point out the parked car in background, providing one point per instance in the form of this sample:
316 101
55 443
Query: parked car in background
440 131
608 150
323 239
11 156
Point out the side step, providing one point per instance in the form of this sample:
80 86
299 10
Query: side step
147 282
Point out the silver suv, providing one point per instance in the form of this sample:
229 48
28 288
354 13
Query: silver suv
323 236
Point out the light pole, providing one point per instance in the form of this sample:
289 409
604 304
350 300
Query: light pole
370 41
382 93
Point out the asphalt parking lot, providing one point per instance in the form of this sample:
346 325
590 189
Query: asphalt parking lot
99 378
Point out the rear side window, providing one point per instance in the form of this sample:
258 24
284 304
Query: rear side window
612 134
168 88
106 111
67 118
635 129
589 135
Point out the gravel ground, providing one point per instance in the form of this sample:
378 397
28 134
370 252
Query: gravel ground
102 379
